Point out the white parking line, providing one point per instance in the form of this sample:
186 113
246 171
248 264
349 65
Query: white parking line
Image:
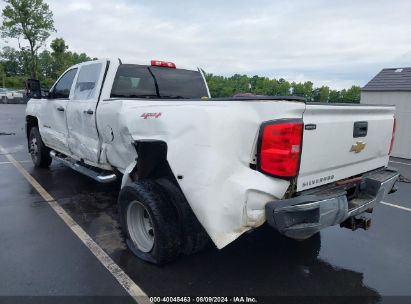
128 284
396 206
20 161
397 162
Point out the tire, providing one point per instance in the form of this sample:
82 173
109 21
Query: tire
194 237
143 205
40 154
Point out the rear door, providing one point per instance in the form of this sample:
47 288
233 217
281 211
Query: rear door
53 122
83 139
340 141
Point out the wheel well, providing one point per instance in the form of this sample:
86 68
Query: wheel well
31 121
194 237
152 164
152 161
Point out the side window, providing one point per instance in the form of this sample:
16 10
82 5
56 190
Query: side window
63 86
86 85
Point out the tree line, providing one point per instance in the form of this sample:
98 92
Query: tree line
221 86
15 65
31 23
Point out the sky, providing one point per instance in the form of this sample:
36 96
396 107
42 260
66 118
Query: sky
333 43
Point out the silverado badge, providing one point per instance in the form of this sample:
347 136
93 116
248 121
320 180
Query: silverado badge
358 147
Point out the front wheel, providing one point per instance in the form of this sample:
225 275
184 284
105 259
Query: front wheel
40 154
149 222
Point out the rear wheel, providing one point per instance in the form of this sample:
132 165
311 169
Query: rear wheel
40 154
140 226
149 221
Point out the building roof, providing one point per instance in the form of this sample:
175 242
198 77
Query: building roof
396 79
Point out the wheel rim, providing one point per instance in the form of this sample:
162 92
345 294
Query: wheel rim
34 149
140 226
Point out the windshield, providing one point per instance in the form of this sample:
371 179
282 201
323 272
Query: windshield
140 81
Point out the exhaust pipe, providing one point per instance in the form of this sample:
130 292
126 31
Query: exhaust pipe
354 223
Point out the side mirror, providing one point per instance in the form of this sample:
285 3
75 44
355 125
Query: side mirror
33 89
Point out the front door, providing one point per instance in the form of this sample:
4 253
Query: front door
83 139
53 124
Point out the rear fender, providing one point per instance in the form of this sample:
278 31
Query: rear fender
210 149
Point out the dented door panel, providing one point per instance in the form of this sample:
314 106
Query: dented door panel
83 137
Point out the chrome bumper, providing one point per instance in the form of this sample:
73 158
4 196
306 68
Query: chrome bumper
302 216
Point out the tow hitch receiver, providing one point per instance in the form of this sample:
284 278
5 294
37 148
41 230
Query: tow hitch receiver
357 222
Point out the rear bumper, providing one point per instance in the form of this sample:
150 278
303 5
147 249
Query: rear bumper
302 216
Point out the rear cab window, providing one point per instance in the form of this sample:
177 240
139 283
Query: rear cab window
141 81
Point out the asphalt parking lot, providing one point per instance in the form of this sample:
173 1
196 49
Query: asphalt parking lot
41 256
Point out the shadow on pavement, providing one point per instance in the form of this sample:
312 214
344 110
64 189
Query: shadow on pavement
260 263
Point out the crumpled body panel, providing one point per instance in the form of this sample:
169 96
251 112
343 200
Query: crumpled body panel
211 145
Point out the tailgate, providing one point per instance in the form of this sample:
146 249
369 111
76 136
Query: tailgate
340 141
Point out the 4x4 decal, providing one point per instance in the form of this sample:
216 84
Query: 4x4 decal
148 115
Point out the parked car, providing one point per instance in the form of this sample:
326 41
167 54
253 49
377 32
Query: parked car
194 167
9 94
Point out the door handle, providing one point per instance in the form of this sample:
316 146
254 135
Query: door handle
60 108
89 112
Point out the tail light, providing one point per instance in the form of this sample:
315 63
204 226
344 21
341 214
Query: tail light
164 64
280 148
394 127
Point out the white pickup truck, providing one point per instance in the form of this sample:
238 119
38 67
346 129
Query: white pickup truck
195 167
